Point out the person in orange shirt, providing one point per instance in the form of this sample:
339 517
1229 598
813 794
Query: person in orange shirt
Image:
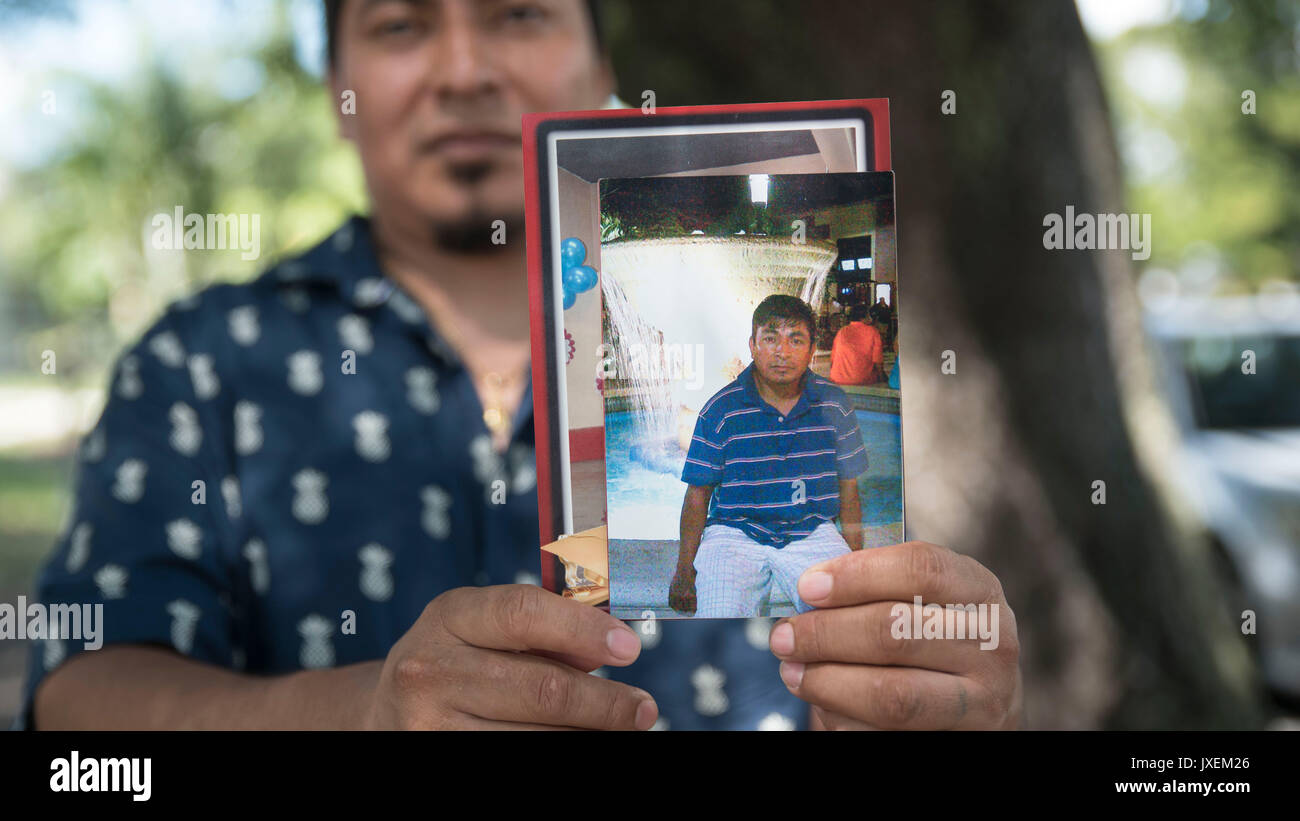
858 352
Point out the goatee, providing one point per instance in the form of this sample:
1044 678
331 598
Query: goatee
476 234
478 231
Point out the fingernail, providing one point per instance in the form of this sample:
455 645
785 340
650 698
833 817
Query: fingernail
622 643
815 586
782 639
791 674
646 714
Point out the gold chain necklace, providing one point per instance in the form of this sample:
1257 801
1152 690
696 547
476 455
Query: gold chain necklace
496 417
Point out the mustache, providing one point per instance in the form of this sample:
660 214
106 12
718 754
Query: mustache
434 142
468 173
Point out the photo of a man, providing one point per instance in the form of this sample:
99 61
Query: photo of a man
772 464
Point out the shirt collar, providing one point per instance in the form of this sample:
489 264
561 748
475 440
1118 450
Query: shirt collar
344 259
811 391
348 261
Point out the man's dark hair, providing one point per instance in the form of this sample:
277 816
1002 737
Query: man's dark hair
333 8
779 309
857 312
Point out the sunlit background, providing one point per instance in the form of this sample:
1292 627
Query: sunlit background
115 110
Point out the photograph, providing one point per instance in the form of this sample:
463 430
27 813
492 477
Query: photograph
751 389
568 154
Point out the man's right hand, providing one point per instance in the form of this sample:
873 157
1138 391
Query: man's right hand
509 657
681 591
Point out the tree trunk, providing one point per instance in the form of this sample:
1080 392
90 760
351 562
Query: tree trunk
1121 620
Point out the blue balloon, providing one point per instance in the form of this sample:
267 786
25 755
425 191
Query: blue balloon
569 298
572 252
572 279
584 277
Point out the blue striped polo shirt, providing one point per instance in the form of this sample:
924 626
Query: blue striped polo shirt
776 475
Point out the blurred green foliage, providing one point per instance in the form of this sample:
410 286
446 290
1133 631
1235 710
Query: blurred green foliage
723 208
76 255
33 500
1224 184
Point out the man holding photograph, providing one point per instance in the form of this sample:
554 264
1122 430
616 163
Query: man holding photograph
228 616
782 448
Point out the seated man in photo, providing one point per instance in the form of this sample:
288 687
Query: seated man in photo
858 353
781 446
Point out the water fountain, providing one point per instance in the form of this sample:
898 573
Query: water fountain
688 302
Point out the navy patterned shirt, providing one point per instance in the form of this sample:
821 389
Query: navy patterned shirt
777 474
278 454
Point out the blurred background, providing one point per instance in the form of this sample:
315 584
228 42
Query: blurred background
1073 367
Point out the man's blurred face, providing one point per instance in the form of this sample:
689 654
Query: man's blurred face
440 86
781 351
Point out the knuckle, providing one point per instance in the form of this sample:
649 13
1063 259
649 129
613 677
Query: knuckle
497 672
809 634
553 692
898 702
615 709
926 563
516 610
411 674
577 622
993 705
886 646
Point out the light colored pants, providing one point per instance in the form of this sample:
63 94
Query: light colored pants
735 576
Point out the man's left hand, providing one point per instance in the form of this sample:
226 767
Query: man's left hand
845 659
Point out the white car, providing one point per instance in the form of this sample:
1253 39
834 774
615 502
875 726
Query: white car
1232 373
